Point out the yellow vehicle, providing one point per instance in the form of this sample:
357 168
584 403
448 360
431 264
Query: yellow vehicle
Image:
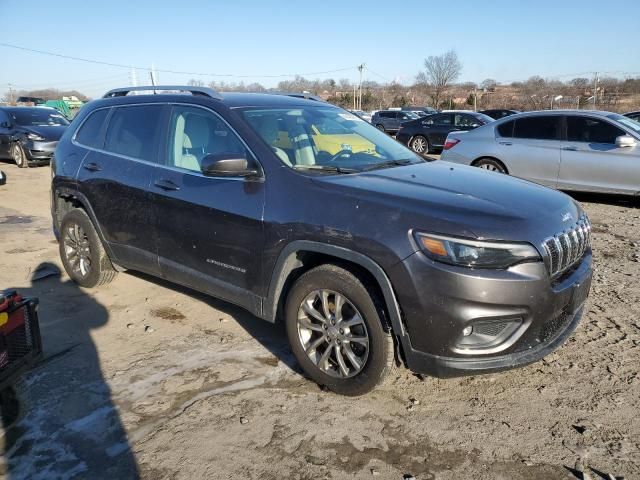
330 137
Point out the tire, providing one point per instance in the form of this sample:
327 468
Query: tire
491 164
420 145
82 252
381 128
331 355
18 155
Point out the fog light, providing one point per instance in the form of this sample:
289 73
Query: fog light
467 331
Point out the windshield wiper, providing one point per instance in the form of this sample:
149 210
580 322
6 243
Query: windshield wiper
389 163
326 168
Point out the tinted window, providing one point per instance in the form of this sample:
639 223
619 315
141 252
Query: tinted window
462 120
438 120
388 115
506 129
3 117
540 128
134 131
89 132
592 130
195 133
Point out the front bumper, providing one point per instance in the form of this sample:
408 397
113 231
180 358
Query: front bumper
438 301
39 152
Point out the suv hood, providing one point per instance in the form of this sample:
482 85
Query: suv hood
453 199
50 133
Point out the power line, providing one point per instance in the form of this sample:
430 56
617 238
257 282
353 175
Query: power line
129 67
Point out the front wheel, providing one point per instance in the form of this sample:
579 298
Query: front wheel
19 156
380 127
335 331
491 165
420 145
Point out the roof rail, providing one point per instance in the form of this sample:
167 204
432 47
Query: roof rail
305 95
203 91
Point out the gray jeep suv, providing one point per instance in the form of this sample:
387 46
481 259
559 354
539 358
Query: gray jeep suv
301 212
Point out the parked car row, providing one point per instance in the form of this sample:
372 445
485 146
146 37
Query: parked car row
584 150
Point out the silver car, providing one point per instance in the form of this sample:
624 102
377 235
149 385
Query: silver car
566 149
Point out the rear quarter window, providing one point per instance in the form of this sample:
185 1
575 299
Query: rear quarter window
506 129
90 132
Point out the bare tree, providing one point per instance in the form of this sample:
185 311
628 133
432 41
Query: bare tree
439 72
488 84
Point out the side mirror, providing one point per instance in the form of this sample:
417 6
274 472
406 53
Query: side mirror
625 141
227 165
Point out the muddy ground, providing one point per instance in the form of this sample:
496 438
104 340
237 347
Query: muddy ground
146 378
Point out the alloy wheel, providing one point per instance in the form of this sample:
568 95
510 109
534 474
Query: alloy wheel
491 167
419 145
78 249
333 334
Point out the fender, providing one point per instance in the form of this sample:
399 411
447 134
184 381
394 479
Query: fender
287 261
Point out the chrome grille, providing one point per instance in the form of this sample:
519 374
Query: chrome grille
566 248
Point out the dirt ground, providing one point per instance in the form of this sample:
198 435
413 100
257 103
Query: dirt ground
146 378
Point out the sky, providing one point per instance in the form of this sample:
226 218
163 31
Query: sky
265 40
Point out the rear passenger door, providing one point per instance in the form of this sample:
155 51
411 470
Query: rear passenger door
115 176
590 159
439 127
5 135
210 234
533 152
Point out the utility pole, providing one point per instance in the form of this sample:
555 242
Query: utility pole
361 68
354 97
10 93
475 99
595 91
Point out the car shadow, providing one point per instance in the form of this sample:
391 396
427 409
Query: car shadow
606 198
271 336
68 425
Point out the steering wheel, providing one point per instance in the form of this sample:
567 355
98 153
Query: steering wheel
341 153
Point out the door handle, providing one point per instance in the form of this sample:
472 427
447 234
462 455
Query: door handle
166 185
92 167
508 144
570 149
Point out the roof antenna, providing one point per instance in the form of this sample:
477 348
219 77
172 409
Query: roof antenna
153 82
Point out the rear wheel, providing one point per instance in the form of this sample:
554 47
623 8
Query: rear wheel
81 251
491 164
19 156
335 331
420 145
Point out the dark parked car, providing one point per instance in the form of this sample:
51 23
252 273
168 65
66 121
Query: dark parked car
420 111
389 121
34 100
369 257
499 113
633 116
429 133
29 135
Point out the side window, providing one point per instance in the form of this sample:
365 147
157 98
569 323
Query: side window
3 117
388 115
195 133
134 131
544 127
462 120
591 130
506 129
90 132
442 119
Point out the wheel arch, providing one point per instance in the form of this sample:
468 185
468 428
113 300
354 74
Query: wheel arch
475 161
302 255
65 199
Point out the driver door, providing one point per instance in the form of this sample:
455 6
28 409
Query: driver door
210 234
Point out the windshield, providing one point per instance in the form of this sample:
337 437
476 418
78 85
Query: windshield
627 122
326 139
37 117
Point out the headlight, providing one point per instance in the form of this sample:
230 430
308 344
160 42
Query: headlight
475 253
35 136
